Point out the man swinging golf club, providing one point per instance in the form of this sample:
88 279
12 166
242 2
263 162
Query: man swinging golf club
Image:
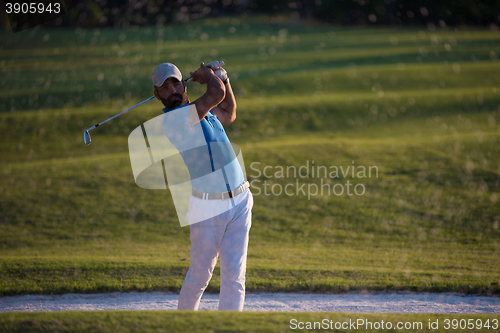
220 206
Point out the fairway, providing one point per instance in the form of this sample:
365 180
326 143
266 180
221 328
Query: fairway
421 107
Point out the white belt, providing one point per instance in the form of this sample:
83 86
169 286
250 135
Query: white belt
223 195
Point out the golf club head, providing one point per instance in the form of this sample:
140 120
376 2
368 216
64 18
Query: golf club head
86 138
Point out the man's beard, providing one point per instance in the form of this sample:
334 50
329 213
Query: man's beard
175 100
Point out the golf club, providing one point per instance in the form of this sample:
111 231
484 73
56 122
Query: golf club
86 135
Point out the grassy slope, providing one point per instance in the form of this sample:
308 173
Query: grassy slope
421 106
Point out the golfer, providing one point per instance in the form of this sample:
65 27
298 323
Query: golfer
220 206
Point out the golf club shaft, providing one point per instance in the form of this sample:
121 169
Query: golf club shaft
97 125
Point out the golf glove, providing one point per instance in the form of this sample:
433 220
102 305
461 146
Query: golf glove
221 73
215 65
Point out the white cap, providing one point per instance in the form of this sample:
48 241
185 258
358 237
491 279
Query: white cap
164 71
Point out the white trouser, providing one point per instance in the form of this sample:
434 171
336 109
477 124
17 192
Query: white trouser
226 233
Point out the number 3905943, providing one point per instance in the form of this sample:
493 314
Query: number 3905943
470 324
32 8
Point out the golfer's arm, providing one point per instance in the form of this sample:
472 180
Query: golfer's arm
214 95
226 110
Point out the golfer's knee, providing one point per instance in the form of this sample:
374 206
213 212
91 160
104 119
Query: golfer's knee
200 281
234 282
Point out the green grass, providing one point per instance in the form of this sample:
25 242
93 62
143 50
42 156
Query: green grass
209 321
421 106
56 276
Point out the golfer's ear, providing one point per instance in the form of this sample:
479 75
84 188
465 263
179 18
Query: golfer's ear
156 94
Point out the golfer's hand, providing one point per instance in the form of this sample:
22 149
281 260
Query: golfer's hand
202 74
216 66
221 73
